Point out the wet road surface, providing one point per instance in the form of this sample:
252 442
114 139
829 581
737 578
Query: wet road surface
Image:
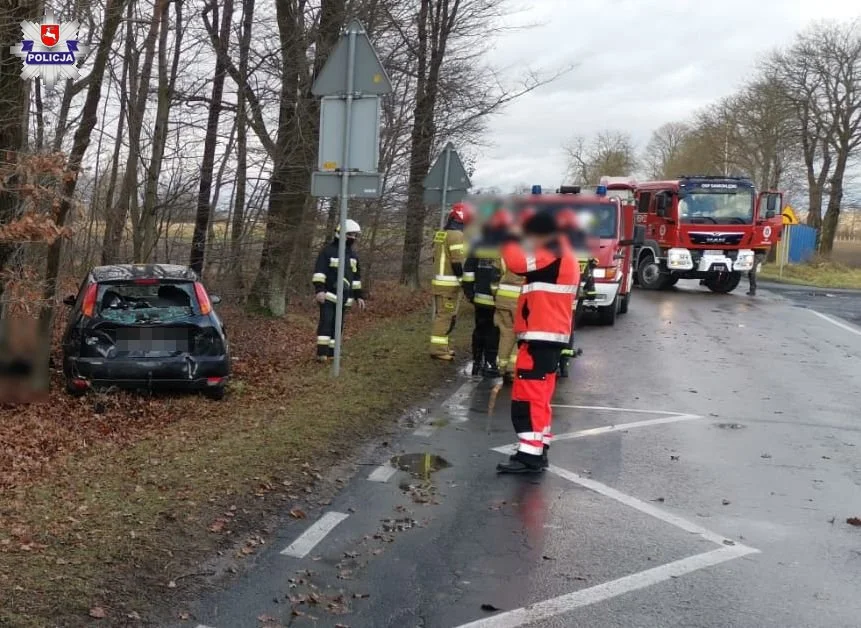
708 457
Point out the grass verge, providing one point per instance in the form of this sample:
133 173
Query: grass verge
119 527
821 274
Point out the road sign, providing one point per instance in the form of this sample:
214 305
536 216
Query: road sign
359 184
364 134
789 216
349 137
368 74
446 182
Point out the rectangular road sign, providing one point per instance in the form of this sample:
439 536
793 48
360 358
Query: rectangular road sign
364 134
360 184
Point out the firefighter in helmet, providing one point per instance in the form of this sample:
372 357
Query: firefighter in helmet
449 252
325 281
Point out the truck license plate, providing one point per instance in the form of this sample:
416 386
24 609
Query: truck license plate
715 253
719 268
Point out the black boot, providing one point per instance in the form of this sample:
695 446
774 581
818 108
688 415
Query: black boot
563 367
521 464
476 368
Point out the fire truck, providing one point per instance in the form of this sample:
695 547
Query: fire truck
609 256
703 227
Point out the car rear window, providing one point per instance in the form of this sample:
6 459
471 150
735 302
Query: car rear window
145 302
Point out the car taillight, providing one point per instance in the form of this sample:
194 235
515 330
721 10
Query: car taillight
88 307
202 298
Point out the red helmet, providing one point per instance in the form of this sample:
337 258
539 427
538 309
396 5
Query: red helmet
525 214
566 219
462 213
501 219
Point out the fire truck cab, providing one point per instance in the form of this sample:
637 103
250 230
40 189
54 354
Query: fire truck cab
703 227
609 249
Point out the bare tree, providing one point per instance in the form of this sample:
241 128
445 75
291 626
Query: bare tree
608 153
661 157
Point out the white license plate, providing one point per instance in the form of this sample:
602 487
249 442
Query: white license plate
715 253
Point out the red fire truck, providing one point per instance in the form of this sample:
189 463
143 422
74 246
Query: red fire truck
703 227
610 247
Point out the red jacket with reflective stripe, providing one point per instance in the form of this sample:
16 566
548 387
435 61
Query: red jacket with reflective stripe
552 275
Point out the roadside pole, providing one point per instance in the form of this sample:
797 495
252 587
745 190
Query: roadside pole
350 83
446 182
444 194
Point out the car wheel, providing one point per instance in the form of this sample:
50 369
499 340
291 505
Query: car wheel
215 393
723 283
607 314
649 273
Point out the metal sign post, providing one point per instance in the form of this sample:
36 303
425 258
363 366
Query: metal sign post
446 182
352 72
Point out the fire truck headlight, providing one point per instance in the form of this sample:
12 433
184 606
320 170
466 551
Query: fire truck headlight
679 259
744 261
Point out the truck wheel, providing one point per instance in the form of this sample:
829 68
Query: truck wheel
623 306
723 283
649 273
672 280
607 314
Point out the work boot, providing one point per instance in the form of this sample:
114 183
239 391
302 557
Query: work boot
563 368
520 464
476 369
751 292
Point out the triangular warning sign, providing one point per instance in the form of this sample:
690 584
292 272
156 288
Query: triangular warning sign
369 76
457 177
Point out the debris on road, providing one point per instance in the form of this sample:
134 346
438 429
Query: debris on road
489 608
766 456
854 521
674 458
97 612
725 502
659 499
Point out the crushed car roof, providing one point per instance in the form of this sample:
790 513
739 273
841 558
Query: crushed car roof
129 272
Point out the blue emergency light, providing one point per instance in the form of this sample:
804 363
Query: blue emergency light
536 189
601 190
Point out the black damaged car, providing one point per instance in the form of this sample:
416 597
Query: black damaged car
147 326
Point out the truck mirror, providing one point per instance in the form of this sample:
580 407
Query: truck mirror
771 205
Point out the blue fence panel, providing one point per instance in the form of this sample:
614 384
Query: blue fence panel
802 243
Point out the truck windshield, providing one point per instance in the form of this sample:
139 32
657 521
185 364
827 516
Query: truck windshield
708 207
603 214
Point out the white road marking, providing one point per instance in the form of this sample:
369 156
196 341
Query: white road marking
426 429
383 473
571 601
843 326
313 535
609 409
202 626
625 426
638 504
455 404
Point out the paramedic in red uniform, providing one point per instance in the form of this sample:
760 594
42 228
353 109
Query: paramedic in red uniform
542 326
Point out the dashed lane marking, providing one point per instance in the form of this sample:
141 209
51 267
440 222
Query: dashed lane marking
843 326
313 535
609 409
383 473
565 603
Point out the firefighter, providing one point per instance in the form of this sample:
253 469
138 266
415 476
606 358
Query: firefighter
570 225
325 282
507 295
481 273
448 257
543 326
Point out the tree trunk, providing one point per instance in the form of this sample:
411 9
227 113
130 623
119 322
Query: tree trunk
201 221
113 16
166 84
832 213
128 193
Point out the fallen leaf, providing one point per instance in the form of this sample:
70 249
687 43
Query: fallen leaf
659 499
185 615
854 521
548 558
766 456
171 584
725 502
134 615
490 608
728 542
218 525
674 458
296 513
361 596
98 612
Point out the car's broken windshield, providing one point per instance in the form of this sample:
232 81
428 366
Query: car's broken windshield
148 303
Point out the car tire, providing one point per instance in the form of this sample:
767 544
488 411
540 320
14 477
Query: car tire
215 393
607 314
649 273
625 303
727 283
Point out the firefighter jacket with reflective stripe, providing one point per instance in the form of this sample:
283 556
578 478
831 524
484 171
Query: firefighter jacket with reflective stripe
449 252
482 270
508 291
325 277
551 276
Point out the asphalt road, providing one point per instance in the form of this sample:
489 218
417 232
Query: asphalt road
716 495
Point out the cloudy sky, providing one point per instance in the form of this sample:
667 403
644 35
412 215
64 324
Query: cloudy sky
639 64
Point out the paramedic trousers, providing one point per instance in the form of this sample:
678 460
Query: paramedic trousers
485 337
326 329
503 318
534 384
444 317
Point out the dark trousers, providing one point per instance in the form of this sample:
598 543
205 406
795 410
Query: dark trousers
326 329
751 275
568 351
485 337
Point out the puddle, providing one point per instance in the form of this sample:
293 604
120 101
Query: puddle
730 426
419 465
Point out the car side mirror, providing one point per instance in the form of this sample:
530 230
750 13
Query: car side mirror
70 300
214 299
